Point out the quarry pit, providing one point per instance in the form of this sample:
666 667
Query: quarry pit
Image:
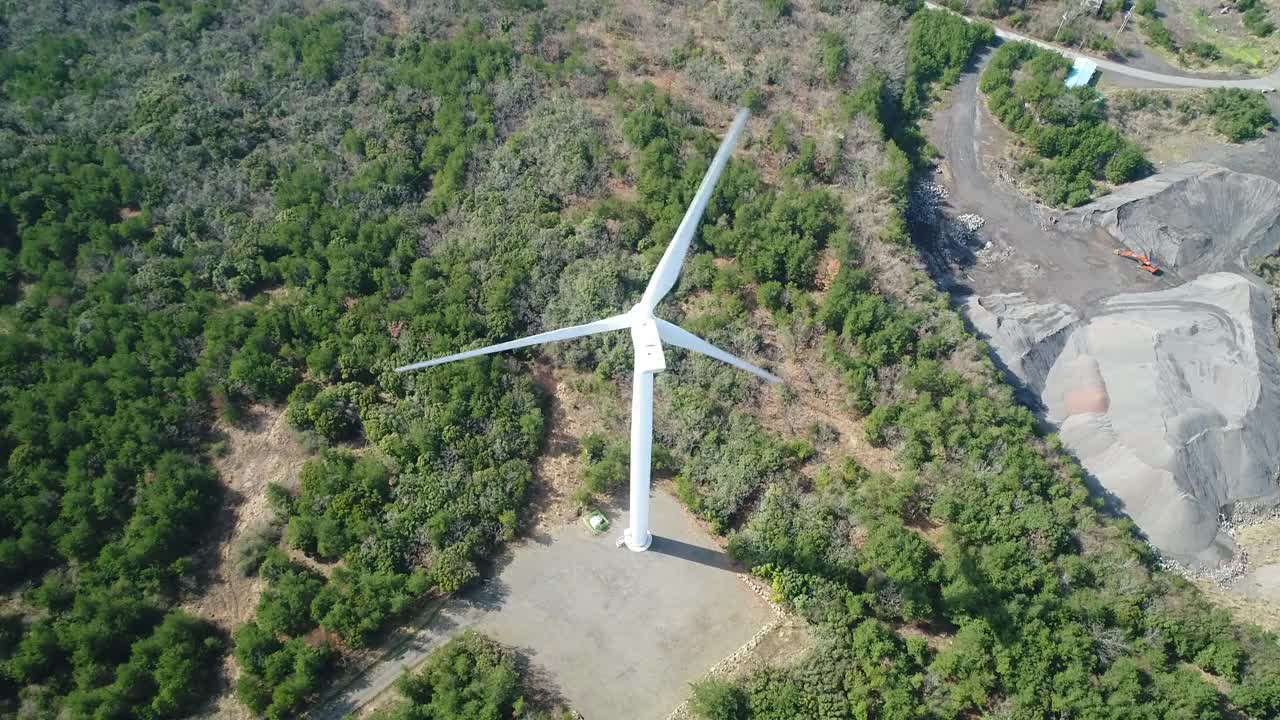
1165 387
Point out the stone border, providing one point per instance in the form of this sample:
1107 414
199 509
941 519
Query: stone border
734 660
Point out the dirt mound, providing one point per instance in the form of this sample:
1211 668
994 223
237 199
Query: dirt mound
1171 400
1027 336
1194 218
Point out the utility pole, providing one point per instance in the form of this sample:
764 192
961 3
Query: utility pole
1127 14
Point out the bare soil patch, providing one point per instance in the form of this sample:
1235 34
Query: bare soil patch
1087 399
262 451
579 404
1255 597
812 396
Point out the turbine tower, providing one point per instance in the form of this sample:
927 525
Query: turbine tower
648 333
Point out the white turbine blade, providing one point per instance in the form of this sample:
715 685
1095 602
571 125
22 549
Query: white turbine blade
617 322
664 276
680 337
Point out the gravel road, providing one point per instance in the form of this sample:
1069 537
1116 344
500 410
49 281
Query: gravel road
1151 79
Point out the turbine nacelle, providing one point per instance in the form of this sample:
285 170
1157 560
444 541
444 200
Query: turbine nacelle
647 341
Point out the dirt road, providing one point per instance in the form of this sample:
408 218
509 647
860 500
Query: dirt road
1146 77
1069 266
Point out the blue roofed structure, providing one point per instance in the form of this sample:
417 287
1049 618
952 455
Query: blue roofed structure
1081 72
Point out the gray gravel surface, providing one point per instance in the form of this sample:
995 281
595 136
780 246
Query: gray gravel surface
617 635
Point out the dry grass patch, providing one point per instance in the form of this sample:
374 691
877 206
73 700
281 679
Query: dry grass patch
812 399
580 403
263 450
1255 597
1168 124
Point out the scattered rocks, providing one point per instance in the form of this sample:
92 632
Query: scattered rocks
1248 514
930 193
971 222
924 202
1225 575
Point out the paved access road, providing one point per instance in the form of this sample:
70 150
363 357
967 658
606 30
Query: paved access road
1269 82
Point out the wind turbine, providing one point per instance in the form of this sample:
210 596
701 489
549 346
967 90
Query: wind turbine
648 333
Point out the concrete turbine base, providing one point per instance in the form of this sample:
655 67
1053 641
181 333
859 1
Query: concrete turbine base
634 546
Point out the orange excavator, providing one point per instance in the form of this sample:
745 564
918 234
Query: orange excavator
1144 263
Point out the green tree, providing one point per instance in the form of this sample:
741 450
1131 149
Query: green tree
285 605
1239 114
468 677
718 700
1127 165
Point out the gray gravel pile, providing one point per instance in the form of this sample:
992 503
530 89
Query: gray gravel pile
1028 336
1194 219
1171 400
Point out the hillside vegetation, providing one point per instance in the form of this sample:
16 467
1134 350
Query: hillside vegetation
1065 127
208 206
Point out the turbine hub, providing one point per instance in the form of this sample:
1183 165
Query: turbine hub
647 344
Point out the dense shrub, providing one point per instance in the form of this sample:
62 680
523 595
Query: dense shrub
1065 127
835 55
718 700
1239 114
604 466
728 469
284 608
311 44
252 548
939 46
144 310
1257 21
1204 50
469 677
1157 33
278 678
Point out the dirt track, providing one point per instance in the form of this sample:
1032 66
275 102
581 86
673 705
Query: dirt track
1068 265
